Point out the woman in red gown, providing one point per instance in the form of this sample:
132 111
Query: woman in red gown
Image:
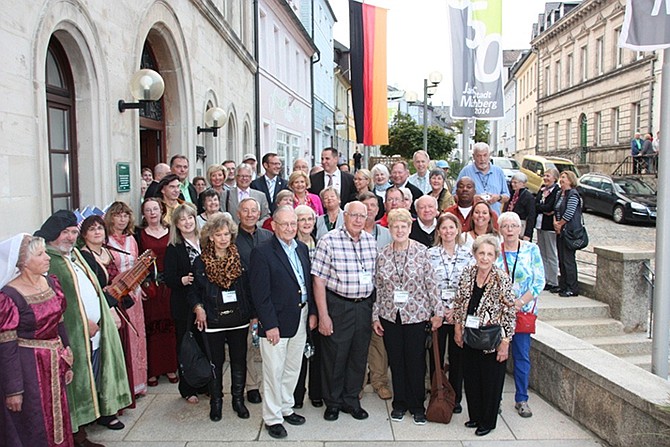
161 336
34 351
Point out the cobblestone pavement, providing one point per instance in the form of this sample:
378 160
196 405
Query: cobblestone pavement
603 232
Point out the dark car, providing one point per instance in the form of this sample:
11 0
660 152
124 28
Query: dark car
626 199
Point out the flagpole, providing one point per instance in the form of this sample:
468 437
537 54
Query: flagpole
660 331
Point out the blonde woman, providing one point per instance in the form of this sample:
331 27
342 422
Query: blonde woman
299 182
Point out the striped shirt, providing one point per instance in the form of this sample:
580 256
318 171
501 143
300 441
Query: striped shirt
347 266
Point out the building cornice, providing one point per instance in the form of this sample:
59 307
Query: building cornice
568 21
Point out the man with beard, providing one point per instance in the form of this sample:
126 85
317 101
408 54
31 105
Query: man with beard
100 385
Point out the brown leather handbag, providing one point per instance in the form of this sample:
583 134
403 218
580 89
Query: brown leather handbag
442 394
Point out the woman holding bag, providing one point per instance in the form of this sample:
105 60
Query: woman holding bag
523 263
567 216
484 306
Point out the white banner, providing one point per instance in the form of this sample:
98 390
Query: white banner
476 39
646 25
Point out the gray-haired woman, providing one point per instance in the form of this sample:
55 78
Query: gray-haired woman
522 203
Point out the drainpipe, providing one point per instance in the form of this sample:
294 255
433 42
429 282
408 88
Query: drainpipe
257 87
311 89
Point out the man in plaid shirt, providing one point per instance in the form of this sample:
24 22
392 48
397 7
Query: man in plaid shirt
343 272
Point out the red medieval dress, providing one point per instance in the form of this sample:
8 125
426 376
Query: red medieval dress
161 335
32 340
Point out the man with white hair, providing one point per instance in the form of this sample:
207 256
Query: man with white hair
421 179
234 196
423 228
490 181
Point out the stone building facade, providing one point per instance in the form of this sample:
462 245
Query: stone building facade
524 74
66 64
592 95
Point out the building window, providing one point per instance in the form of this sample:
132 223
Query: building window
618 51
583 128
546 137
61 129
568 134
600 56
585 63
288 150
571 69
598 128
637 116
547 86
557 81
275 36
556 145
615 125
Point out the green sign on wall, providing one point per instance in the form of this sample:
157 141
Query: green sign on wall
123 177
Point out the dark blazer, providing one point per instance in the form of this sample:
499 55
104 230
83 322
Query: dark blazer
416 193
546 208
275 290
176 265
525 208
260 185
347 187
417 234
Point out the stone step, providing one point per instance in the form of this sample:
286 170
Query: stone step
623 345
590 327
552 307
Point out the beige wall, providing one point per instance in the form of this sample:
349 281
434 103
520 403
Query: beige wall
526 98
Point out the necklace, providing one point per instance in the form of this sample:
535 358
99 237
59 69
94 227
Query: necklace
30 284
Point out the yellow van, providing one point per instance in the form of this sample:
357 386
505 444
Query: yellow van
534 166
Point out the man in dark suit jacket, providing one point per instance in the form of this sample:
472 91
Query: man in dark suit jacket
400 177
270 183
343 182
282 295
423 228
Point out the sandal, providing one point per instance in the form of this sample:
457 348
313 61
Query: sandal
153 381
111 422
173 379
192 399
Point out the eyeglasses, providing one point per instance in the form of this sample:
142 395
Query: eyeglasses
243 176
287 224
506 226
305 219
357 215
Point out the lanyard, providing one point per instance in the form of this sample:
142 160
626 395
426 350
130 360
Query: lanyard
360 261
447 273
481 179
515 260
400 272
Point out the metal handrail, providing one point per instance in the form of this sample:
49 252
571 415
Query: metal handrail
650 276
638 165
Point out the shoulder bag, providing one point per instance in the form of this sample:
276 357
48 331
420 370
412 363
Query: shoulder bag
577 238
525 321
442 394
195 367
485 338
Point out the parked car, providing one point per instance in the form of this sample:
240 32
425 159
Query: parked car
509 166
534 166
626 199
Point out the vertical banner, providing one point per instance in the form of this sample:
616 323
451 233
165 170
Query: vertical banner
646 25
367 28
476 39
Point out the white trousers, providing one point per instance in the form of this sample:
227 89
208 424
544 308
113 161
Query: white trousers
281 368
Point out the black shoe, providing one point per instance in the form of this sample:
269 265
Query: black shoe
567 294
317 403
294 419
420 418
471 424
331 413
297 405
240 408
397 415
111 422
215 409
481 431
277 431
356 413
548 287
254 397
458 409
555 289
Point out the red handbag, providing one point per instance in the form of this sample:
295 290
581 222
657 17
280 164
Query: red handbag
525 321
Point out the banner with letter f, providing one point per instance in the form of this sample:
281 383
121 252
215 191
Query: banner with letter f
476 39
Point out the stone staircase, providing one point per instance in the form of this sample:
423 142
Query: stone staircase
590 320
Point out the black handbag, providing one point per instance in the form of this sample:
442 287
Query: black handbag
195 367
576 239
485 338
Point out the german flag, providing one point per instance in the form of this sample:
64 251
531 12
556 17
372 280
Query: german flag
367 28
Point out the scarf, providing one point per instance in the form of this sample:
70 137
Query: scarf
515 198
222 271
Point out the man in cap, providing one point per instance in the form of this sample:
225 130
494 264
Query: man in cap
251 160
100 385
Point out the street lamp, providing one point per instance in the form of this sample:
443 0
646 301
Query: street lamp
428 90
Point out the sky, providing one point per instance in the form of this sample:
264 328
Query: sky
418 35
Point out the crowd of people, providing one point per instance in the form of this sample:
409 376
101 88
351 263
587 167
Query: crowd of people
330 278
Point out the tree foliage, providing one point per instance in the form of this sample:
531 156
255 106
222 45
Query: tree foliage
481 130
406 137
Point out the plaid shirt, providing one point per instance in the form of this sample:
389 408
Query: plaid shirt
340 261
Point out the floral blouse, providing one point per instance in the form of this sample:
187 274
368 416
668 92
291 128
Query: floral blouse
406 271
496 305
448 269
528 273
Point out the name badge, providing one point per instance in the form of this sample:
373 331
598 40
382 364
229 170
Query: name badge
229 297
400 296
449 296
365 278
472 322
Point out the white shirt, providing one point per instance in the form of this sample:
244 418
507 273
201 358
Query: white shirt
337 180
425 228
89 297
422 183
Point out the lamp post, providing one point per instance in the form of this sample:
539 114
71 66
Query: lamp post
433 80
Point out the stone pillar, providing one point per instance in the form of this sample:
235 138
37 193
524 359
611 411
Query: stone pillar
620 283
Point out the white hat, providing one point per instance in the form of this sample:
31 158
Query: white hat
249 156
9 257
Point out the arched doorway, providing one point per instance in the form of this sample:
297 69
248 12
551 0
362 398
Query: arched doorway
152 124
61 129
